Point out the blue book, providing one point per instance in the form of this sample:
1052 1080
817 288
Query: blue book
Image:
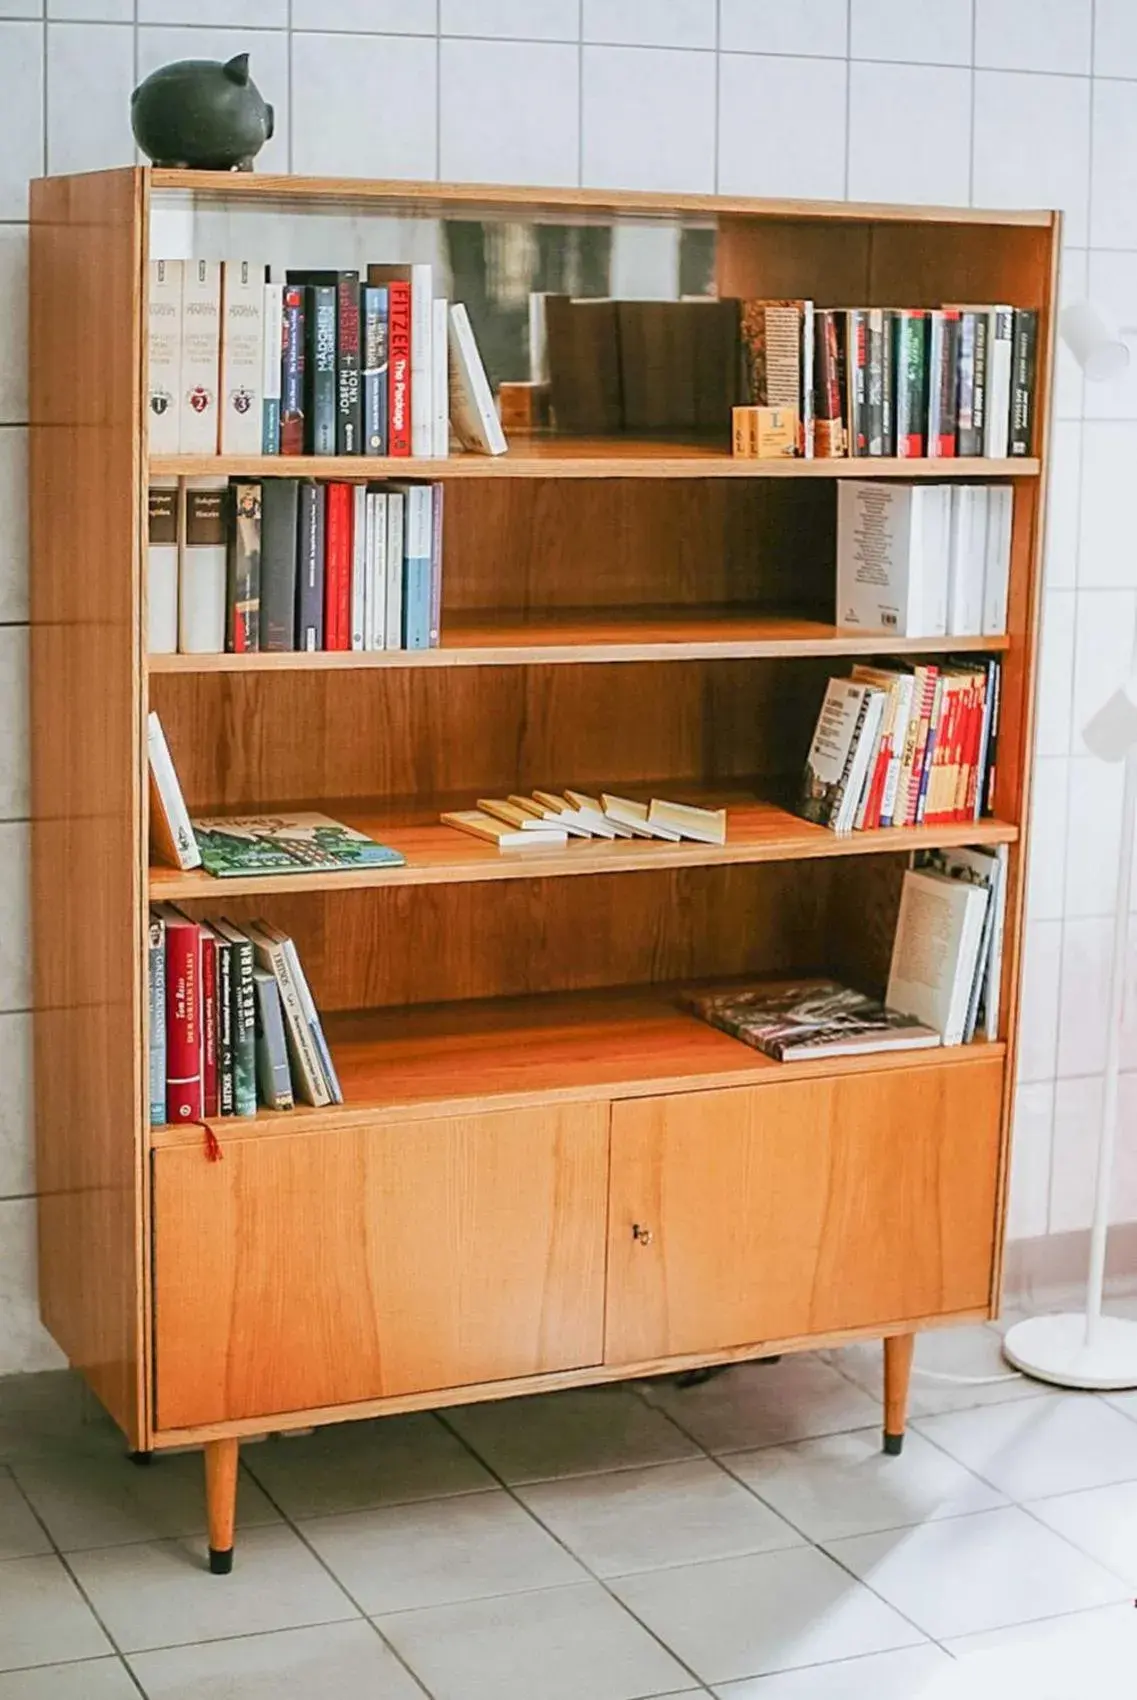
374 314
157 956
417 572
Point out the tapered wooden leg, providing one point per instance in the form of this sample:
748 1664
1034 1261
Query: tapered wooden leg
221 1502
898 1349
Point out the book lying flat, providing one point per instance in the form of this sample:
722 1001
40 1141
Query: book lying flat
793 1020
286 844
479 824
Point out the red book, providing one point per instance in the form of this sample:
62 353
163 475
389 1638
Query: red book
965 791
183 1016
209 1086
337 568
398 368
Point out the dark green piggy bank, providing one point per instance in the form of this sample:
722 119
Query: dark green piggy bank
201 113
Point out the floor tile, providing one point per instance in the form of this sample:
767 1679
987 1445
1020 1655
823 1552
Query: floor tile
967 1574
1126 1403
750 1616
159 1593
105 1500
21 1535
767 1404
844 1484
569 1434
90 1679
439 1552
1091 1653
565 1644
1059 1444
881 1676
351 1466
43 1414
1100 1521
973 1351
628 1520
343 1661
43 1615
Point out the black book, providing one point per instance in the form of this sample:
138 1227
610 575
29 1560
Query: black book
888 383
243 611
310 567
979 395
943 364
243 1016
968 433
348 394
319 364
1023 356
280 502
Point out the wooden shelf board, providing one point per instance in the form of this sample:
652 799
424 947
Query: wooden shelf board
505 637
629 1042
757 831
582 457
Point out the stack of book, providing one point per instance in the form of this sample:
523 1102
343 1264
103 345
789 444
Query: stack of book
904 746
924 560
549 818
232 1021
250 565
312 362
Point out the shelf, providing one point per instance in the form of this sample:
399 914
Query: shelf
628 1043
581 457
506 638
757 831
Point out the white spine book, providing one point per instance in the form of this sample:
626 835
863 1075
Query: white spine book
393 573
879 557
272 373
472 410
440 379
422 340
358 566
1000 339
860 770
201 357
905 693
202 567
968 557
1000 512
242 357
170 827
164 355
377 572
162 567
935 951
934 504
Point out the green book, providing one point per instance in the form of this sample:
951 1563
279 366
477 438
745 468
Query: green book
910 374
232 846
243 1017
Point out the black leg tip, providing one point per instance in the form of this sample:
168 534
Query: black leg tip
142 1459
893 1444
220 1563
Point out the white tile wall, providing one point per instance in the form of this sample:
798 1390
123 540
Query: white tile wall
872 98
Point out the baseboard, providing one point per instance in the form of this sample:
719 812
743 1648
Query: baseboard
1053 1266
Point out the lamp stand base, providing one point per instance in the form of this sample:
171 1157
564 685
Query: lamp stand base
1054 1349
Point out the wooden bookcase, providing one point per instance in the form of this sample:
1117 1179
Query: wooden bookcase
544 1175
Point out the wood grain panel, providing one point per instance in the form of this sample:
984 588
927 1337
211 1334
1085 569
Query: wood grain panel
441 1252
809 1206
87 806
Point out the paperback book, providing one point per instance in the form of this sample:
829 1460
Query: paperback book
232 846
799 1020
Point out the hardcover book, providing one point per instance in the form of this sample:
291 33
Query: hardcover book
273 355
280 506
202 568
243 614
164 364
943 361
402 376
274 1078
828 411
374 313
286 844
292 384
156 957
838 759
162 567
910 367
320 370
242 357
1023 359
183 1015
936 950
244 1017
201 357
795 1021
310 567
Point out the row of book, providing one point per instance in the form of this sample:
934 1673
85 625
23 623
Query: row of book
233 1024
904 381
312 362
548 818
247 566
904 746
924 560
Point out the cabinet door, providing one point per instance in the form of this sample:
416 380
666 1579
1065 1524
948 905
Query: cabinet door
801 1207
313 1269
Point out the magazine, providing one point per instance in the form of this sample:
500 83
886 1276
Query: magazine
286 844
808 1018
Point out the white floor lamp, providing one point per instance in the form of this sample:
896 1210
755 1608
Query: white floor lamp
1084 1348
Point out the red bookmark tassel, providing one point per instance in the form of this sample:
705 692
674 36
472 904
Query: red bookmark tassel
213 1151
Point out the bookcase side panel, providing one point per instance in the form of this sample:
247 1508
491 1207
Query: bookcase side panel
84 498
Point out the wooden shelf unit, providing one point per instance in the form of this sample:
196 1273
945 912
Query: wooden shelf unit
522 1088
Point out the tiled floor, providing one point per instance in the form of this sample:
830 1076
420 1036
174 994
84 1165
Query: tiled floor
744 1538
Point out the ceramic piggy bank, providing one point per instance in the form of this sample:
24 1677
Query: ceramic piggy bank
201 113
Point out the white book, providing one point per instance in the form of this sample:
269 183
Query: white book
358 566
627 812
480 825
905 700
997 574
377 502
422 341
271 374
164 355
968 559
860 771
934 502
591 809
472 412
202 566
242 357
393 574
705 826
888 558
162 567
201 357
935 951
987 868
551 815
440 380
1000 342
171 834
521 815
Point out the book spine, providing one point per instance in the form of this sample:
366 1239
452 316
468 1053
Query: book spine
337 568
349 419
279 503
225 1057
272 375
302 1052
274 1080
243 997
436 566
242 357
806 444
990 777
979 771
417 587
374 369
888 383
1000 336
874 379
202 568
157 1019
320 363
899 753
422 361
828 426
162 567
293 339
243 614
924 698
183 1020
377 571
1023 360
856 380
396 555
911 387
965 433
399 368
943 339
209 1024
978 436
201 357
164 355
934 730
310 568
358 587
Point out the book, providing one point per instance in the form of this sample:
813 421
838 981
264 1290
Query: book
308 1011
969 426
910 364
274 1079
936 950
802 1019
986 868
156 1017
243 609
242 994
417 594
521 815
560 809
171 835
320 403
828 409
549 814
272 355
242 357
294 336
925 678
226 1056
943 362
438 503
997 569
892 558
183 1015
440 379
308 1081
373 307
967 560
773 365
234 845
399 380
875 322
1000 339
209 1020
375 598
591 810
414 287
901 685
202 567
164 356
1024 351
349 408
393 570
625 811
280 508
705 826
839 753
337 567
473 415
201 357
163 504
358 582
888 382
310 567
480 825
856 381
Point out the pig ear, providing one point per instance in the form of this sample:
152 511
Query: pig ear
237 70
